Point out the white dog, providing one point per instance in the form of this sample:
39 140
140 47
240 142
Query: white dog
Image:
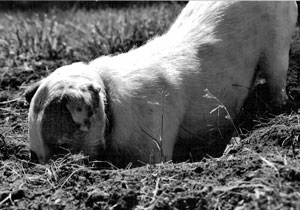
136 106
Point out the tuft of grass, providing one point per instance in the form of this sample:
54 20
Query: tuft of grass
159 142
220 105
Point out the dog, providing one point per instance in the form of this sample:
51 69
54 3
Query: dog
173 96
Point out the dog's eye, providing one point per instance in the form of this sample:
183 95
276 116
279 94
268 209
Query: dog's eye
78 109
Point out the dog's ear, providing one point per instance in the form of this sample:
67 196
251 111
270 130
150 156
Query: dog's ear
95 90
30 91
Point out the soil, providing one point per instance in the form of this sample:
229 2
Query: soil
259 169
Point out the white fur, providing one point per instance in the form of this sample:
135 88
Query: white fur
211 45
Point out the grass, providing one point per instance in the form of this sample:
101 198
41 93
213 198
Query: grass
58 37
220 106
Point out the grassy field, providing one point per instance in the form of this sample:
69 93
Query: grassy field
260 170
39 41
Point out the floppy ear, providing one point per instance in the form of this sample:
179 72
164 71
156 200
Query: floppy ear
95 90
30 91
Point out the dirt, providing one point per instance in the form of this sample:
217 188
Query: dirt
259 169
260 172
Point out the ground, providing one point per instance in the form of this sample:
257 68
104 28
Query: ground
260 168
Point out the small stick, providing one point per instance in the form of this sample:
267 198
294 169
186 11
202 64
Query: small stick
10 101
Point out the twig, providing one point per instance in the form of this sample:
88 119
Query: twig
10 101
11 111
69 177
155 191
7 198
109 163
269 163
241 186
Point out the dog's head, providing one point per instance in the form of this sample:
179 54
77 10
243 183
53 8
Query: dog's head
66 114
